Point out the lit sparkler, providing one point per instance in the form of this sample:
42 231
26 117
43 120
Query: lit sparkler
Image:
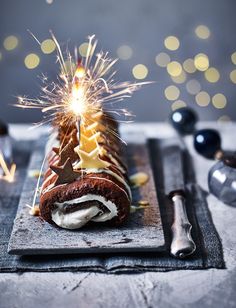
82 90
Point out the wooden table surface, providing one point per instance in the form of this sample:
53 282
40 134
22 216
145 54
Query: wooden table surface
183 288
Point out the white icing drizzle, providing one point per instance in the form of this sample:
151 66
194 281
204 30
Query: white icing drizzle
79 218
115 161
51 187
47 180
119 178
107 180
53 142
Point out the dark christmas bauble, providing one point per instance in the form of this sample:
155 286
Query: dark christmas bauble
184 120
3 129
207 142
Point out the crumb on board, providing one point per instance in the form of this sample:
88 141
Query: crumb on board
34 211
143 203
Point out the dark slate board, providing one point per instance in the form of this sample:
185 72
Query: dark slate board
142 232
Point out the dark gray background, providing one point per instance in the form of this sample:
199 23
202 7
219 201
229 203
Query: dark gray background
142 24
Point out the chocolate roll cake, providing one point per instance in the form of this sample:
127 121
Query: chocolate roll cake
86 180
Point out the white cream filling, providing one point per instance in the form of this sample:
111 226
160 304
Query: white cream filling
79 218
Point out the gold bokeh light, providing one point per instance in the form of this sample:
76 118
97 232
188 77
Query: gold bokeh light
70 65
140 71
0 56
201 62
193 86
233 76
219 101
174 68
172 43
202 32
178 104
180 79
124 52
212 75
172 93
162 59
189 66
203 99
48 46
32 61
10 42
83 49
233 57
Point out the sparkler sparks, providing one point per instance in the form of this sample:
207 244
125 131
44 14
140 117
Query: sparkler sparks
83 90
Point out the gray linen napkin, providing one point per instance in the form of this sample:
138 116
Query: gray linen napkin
209 250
